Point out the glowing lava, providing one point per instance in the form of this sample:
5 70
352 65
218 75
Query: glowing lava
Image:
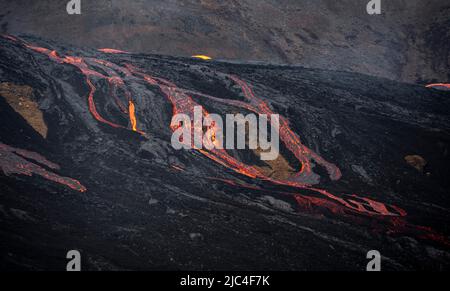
114 80
131 110
112 51
14 161
438 85
202 57
183 103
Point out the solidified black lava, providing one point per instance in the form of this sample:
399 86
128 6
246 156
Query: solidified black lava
150 207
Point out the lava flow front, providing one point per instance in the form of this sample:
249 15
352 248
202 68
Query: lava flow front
14 161
439 85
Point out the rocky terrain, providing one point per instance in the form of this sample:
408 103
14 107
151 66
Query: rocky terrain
86 163
409 42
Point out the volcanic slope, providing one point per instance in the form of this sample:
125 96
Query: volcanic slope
106 180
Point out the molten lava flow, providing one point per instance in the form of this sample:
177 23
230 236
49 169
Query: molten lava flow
202 57
132 116
437 85
10 37
114 80
289 138
183 103
13 161
112 51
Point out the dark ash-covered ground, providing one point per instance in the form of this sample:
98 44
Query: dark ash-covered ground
408 42
150 207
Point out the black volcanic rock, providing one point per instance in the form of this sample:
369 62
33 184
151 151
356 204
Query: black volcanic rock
409 42
149 206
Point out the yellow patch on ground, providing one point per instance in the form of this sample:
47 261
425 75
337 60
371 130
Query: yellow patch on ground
202 57
416 161
279 168
19 98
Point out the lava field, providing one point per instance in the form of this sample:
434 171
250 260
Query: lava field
86 163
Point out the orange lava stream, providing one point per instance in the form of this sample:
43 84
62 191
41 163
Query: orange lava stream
131 110
14 161
89 73
183 103
112 51
289 138
438 85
